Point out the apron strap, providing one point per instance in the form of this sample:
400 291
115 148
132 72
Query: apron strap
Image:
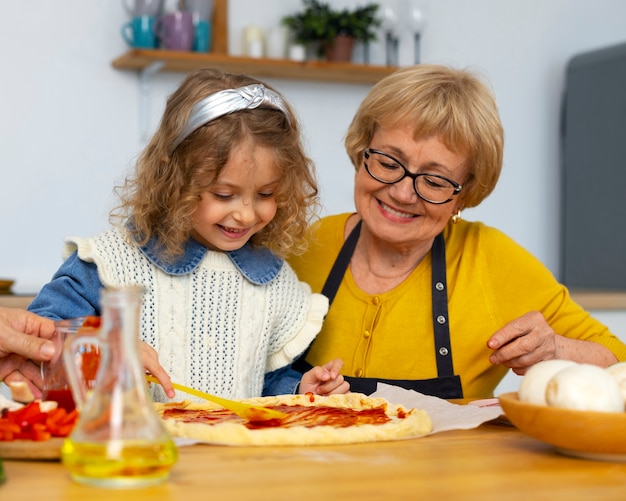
331 286
443 350
341 265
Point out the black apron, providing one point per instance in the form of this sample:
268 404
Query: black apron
447 385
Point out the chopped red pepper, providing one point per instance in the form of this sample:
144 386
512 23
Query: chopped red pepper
29 415
8 430
60 422
30 423
55 415
91 322
40 433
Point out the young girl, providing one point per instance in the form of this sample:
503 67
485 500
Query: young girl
222 192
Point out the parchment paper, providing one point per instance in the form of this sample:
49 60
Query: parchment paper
444 415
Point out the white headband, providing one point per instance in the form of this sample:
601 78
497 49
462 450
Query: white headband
228 101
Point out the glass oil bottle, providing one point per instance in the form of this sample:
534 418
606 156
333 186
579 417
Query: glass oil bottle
119 440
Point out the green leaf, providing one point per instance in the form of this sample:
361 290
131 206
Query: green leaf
318 22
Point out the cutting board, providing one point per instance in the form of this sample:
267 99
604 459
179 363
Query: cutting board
29 449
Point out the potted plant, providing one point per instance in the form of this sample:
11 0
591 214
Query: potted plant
335 31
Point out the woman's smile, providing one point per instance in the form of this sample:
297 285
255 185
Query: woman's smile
395 212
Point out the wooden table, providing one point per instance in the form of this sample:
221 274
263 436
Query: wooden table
491 462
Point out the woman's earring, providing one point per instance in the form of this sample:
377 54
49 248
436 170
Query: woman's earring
456 217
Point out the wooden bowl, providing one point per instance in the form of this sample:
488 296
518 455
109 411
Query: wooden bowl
587 434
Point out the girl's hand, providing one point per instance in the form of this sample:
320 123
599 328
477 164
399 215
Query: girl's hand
324 380
150 362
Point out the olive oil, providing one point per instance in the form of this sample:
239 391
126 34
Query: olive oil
119 463
119 439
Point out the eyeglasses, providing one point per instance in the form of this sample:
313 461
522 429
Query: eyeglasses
432 188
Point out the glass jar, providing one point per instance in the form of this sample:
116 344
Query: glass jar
119 439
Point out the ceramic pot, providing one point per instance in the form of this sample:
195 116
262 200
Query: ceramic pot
340 50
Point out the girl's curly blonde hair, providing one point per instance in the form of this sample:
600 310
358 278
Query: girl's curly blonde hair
158 200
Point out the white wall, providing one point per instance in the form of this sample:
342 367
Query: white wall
69 122
69 125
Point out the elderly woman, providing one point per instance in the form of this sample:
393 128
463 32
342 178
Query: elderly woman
421 298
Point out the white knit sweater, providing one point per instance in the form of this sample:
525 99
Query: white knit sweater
213 329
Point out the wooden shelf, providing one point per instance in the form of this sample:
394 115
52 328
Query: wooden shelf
150 61
174 61
599 300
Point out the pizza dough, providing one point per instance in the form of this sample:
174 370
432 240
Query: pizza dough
345 419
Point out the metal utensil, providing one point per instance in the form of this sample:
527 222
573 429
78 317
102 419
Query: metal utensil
252 413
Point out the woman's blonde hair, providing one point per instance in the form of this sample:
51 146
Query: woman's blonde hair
454 105
159 199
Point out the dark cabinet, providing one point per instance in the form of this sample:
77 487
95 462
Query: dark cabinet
593 239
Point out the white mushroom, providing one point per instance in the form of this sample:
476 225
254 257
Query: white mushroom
584 387
618 371
532 388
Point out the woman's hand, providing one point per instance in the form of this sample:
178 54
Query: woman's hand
529 339
150 362
26 334
24 338
324 380
15 368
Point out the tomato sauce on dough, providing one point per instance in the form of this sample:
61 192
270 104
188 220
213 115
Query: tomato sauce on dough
298 415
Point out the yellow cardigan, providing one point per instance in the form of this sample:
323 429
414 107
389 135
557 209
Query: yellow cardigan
491 281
